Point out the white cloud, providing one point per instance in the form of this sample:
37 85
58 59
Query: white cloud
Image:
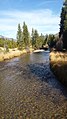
46 2
44 20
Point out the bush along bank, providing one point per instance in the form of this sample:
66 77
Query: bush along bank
58 65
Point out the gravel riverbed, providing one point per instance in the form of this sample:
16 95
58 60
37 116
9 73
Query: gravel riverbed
30 91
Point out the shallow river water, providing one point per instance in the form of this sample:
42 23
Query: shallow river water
29 90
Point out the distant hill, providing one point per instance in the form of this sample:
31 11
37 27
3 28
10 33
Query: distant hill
3 37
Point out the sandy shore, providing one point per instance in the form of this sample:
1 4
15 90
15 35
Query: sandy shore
12 53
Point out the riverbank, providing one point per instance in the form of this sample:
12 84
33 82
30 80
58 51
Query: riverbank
12 53
58 64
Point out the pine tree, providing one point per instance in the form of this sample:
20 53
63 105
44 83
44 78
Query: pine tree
65 20
19 37
37 41
51 40
63 24
25 35
36 35
45 39
33 39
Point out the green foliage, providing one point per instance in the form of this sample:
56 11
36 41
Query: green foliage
36 38
37 41
6 43
45 39
33 40
63 24
10 43
1 42
25 35
51 40
19 38
41 41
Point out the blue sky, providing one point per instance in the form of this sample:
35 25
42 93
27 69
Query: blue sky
43 15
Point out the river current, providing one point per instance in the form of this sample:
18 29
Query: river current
29 90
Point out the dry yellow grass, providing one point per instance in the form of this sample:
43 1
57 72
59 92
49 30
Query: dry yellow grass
58 56
12 53
58 64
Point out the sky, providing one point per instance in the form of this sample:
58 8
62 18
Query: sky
42 15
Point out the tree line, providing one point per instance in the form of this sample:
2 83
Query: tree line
37 41
25 39
8 43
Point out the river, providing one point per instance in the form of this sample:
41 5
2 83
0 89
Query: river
29 90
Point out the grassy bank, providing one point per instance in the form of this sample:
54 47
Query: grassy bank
58 64
12 53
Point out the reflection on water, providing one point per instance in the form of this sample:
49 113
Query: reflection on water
41 57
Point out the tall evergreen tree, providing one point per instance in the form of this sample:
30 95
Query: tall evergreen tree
36 36
25 35
37 41
19 37
51 40
40 41
45 39
33 39
63 24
